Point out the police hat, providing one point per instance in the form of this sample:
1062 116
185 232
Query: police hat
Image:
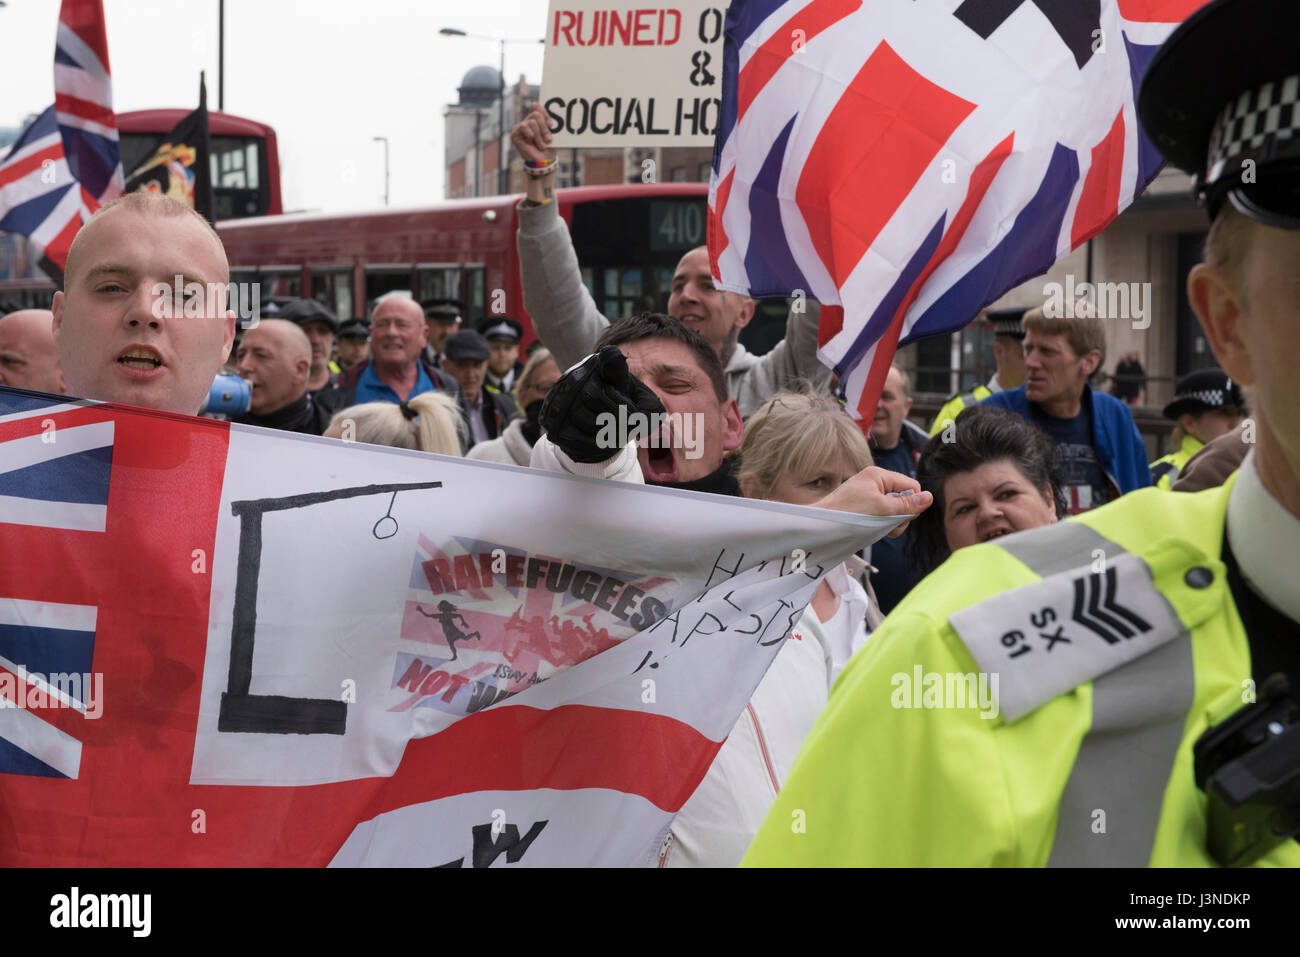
1006 322
1202 390
444 310
355 329
501 328
467 344
1221 100
303 311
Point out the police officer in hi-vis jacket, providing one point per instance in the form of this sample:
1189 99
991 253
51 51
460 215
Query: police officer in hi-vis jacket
1131 650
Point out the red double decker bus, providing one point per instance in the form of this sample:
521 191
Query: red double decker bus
628 240
245 166
245 158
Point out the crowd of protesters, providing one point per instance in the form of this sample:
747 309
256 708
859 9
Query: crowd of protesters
1034 446
415 376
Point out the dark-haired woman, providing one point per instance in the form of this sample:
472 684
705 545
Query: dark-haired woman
995 475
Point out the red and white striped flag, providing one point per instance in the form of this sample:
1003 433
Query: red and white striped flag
83 99
310 652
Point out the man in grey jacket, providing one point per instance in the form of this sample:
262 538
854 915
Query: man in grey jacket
567 320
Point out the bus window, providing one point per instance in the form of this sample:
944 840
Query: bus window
475 296
437 281
25 294
237 182
333 287
237 163
628 249
381 280
280 282
634 290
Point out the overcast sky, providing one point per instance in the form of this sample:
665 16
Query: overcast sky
328 75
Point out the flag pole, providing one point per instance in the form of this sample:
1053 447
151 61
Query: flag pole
221 55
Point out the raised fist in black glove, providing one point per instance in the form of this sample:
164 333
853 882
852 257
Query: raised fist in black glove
597 386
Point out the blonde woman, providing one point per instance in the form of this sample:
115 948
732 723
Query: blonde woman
798 448
430 422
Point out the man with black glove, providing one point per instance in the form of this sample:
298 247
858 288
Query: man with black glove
654 380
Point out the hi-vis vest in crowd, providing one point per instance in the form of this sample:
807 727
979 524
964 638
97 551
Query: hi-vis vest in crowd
1115 643
1164 470
954 405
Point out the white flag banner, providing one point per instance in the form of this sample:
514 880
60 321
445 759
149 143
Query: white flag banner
334 653
626 76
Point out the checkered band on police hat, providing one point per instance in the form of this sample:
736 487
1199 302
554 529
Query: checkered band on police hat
1271 111
1211 397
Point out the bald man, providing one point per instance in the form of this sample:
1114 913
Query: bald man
29 358
397 370
274 358
120 338
568 321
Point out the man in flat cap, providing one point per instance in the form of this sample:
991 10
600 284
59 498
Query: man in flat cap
1206 405
354 343
1119 637
503 335
487 412
320 325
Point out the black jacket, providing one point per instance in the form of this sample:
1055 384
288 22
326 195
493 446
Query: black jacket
497 410
305 415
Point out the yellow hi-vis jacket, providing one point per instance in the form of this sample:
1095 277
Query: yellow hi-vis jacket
1112 642
1164 470
954 405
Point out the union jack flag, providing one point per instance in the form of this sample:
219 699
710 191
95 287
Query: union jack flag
83 99
906 162
39 196
54 475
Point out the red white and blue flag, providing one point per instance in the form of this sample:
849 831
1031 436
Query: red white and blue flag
39 196
225 645
906 162
83 99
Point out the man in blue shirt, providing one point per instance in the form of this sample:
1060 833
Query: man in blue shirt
395 371
1098 446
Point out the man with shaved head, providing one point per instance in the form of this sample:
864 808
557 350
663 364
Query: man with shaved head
274 358
120 336
396 370
29 358
569 322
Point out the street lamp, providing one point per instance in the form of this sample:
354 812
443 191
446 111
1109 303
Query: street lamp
503 183
384 140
